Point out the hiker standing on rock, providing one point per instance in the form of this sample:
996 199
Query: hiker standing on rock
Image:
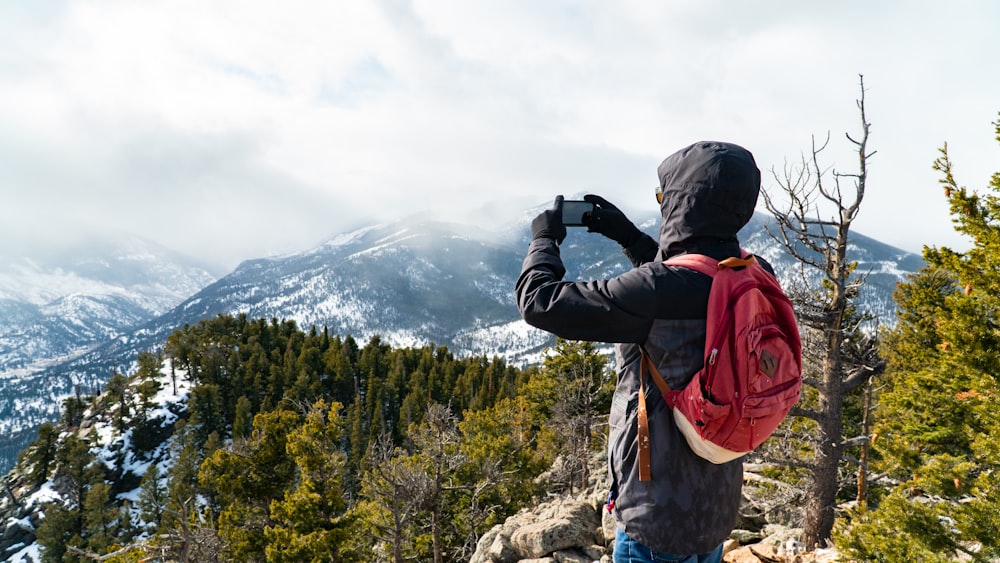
707 192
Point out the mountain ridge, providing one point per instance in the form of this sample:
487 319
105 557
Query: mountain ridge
411 283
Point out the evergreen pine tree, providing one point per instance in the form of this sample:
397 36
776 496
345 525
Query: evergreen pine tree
243 419
357 442
148 377
61 527
207 415
153 498
938 426
245 478
40 455
64 522
310 522
503 461
73 409
186 454
116 399
100 517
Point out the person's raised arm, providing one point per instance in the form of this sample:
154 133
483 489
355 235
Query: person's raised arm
602 310
611 222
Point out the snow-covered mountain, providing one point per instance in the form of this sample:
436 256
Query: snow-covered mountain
56 302
60 303
411 282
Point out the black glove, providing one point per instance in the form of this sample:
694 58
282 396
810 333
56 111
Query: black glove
549 223
609 221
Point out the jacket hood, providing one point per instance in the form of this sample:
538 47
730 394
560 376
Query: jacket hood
710 191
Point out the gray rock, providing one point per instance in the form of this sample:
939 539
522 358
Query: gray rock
746 536
595 552
502 551
571 556
562 530
482 554
549 536
777 534
608 528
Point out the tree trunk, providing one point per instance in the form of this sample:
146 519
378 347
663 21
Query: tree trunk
436 536
819 513
397 537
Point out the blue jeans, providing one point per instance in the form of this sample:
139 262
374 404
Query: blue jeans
628 550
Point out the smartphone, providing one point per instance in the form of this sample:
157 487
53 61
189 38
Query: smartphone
573 211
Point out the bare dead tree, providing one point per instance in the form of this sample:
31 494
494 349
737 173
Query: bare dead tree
582 374
438 442
420 488
398 486
814 222
188 543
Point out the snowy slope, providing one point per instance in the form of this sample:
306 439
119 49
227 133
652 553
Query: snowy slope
115 449
61 303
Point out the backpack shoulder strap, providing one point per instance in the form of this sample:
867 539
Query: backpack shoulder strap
642 420
708 265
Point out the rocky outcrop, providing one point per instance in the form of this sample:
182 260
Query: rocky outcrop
18 515
567 530
577 529
570 528
780 545
574 531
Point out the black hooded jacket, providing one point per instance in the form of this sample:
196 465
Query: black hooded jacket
710 192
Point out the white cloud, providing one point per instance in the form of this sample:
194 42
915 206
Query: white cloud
230 130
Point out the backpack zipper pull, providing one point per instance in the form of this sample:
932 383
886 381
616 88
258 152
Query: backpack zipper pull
711 357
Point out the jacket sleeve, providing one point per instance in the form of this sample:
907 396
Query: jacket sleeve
642 251
613 310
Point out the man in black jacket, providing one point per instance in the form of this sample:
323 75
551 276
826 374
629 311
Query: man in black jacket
707 192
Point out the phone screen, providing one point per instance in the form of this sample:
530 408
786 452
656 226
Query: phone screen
573 210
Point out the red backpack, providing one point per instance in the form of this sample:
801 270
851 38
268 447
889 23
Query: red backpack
752 374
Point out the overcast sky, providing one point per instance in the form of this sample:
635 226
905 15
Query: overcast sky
231 130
